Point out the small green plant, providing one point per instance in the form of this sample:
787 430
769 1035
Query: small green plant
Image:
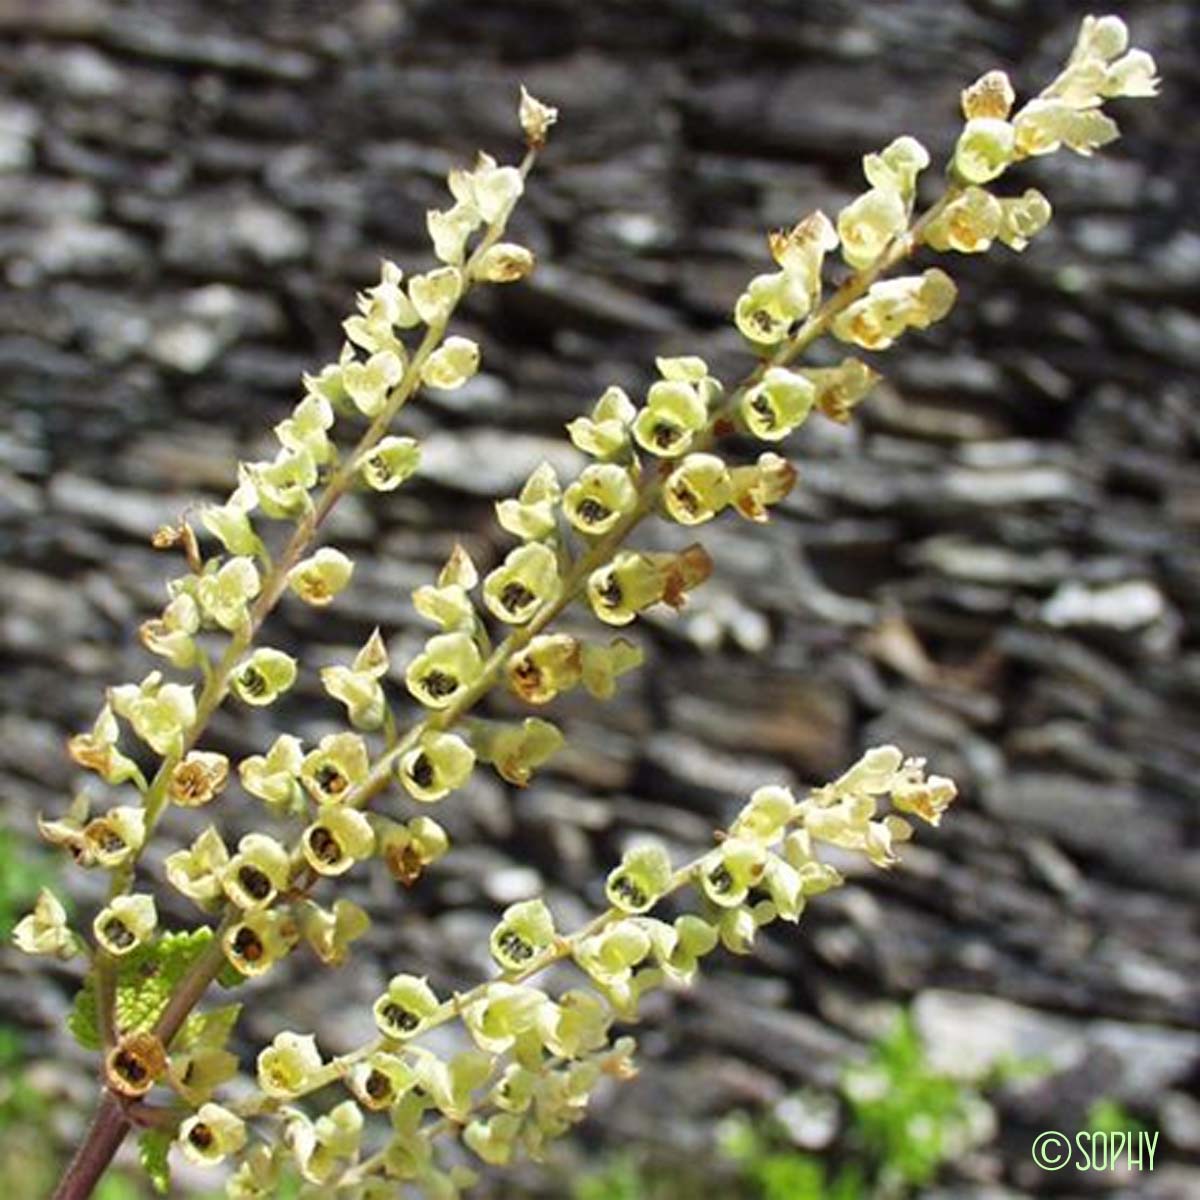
361 794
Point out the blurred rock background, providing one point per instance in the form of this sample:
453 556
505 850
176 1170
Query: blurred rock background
996 566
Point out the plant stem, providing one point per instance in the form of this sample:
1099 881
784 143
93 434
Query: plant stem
105 1134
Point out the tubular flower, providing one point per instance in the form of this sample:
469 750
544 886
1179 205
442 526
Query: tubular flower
258 941
435 294
842 388
282 485
381 1081
985 148
1022 218
754 489
770 305
198 779
338 764
867 225
322 1147
288 1064
125 923
381 309
536 119
409 848
160 713
577 1023
438 765
390 463
135 1065
526 580
111 839
697 489
197 871
403 1010
605 434
630 583
448 604
369 383
766 817
516 751
230 523
357 686
449 230
338 838
450 663
676 410
967 224
307 428
490 189
991 97
728 873
330 932
45 929
505 262
609 957
801 252
927 798
97 751
450 366
890 307
275 777
503 1014
1043 126
171 636
257 873
640 881
599 498
896 167
321 576
210 1135
551 663
524 931
531 515
602 666
197 1073
778 405
264 677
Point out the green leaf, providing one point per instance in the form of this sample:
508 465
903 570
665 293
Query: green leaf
208 1029
146 977
153 1148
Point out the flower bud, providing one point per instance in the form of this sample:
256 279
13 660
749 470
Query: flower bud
321 576
550 664
985 148
357 686
306 428
1022 218
868 224
605 434
493 1140
125 923
896 167
45 929
338 838
198 870
330 932
230 524
676 410
258 941
438 765
160 713
288 1065
778 405
991 97
505 262
599 498
526 580
274 777
368 384
642 878
339 764
451 662
435 294
451 364
263 677
602 666
697 489
694 938
282 486
448 604
385 467
135 1065
257 873
609 956
198 779
97 751
210 1135
524 931
765 818
403 1010
967 224
536 119
381 1080
1100 38
116 836
531 515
